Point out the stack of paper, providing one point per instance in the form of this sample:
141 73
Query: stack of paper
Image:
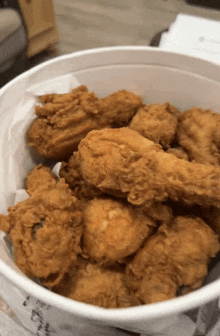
193 36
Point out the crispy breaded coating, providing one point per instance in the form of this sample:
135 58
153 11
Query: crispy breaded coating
123 163
5 225
97 286
40 178
114 230
179 153
62 123
63 120
198 135
160 213
157 122
45 231
70 171
118 108
177 255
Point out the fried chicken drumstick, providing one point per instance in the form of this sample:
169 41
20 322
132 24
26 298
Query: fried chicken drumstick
123 163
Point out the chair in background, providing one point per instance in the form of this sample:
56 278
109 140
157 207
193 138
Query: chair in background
13 45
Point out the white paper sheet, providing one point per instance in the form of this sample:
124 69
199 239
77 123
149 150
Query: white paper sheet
194 36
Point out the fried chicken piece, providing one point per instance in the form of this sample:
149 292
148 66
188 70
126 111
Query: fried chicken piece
113 230
118 108
5 225
56 98
98 286
45 231
197 135
177 255
179 153
64 120
70 171
157 122
160 213
123 163
40 178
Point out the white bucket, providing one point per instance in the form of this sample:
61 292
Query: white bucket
156 75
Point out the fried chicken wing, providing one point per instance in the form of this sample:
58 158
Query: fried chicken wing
157 122
40 178
123 163
177 255
63 120
198 135
98 286
45 230
113 230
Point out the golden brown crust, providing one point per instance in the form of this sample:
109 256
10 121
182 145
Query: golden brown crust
40 178
179 152
62 123
119 108
113 230
63 120
4 224
157 122
70 171
197 135
123 163
177 255
46 231
98 286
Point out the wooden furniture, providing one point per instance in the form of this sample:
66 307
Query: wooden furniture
39 19
13 45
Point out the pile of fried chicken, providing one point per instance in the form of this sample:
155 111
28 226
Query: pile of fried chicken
134 216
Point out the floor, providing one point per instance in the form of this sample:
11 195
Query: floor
84 24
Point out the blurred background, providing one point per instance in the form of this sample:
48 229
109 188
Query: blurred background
33 31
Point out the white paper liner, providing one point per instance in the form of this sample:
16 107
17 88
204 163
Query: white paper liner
9 327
